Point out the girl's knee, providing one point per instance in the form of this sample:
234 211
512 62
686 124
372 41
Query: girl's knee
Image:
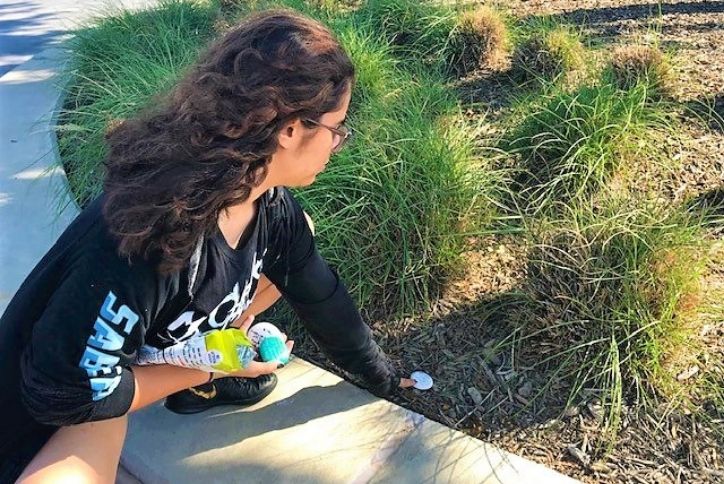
88 452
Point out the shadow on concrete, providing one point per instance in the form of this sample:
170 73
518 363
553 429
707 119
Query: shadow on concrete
21 38
381 449
437 454
225 426
308 404
201 441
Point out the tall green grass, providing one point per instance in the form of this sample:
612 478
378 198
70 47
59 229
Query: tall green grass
571 143
451 39
546 51
118 66
618 294
392 210
395 207
615 280
417 28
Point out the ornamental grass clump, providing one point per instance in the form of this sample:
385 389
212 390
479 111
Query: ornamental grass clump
480 40
630 65
618 289
419 30
546 52
393 207
570 143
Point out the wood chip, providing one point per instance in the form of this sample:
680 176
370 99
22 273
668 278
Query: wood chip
686 374
475 395
525 390
581 457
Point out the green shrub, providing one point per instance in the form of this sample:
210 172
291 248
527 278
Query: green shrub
547 51
570 143
618 289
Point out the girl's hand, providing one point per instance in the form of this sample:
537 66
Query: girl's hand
257 368
406 382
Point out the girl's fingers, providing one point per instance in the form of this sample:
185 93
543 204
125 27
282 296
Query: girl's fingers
247 323
407 382
262 367
257 368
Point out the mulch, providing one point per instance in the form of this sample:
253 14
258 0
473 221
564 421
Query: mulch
477 391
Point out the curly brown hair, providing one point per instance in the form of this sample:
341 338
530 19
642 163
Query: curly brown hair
171 170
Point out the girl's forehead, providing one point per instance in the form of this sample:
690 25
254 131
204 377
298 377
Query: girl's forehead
340 114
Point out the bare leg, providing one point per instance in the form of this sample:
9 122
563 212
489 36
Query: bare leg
84 453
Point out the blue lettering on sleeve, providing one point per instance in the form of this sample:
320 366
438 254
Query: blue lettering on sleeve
124 313
94 362
105 337
109 333
102 387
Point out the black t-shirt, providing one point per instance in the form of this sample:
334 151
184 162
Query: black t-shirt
227 277
70 335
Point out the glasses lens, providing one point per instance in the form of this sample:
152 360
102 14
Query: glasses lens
340 139
339 143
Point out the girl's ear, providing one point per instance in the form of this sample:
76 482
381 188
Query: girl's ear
290 134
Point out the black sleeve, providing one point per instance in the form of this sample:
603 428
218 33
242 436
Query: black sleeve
321 300
75 368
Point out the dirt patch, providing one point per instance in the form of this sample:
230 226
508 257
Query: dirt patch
478 389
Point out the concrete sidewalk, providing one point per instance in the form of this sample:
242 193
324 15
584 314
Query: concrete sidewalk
28 27
30 191
30 32
315 427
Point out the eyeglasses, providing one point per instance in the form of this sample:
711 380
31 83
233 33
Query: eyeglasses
341 135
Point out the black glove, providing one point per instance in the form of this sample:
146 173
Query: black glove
337 326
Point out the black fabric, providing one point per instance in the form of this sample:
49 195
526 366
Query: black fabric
337 326
322 302
69 337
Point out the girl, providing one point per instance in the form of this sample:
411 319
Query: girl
195 231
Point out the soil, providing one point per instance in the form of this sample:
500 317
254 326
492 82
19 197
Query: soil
477 390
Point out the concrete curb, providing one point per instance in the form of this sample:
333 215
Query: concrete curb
315 428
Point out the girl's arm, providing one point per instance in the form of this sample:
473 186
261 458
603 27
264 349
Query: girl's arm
321 300
266 295
154 382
